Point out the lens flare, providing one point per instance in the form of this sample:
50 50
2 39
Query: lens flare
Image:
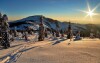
90 12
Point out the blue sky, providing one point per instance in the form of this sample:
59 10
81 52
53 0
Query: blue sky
17 9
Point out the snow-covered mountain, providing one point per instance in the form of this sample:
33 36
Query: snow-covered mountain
34 21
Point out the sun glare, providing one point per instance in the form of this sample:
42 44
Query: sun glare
90 12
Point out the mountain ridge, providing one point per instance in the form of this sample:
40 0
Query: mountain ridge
51 23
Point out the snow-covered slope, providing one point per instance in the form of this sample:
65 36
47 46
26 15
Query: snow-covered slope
48 22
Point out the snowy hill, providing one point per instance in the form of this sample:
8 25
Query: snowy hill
48 22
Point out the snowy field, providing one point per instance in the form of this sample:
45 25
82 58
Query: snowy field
56 51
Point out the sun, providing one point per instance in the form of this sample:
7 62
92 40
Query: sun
90 11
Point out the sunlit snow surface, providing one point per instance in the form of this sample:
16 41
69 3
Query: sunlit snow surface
52 51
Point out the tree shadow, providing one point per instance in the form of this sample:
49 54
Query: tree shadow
57 42
18 54
5 56
13 58
9 54
15 45
1 47
28 49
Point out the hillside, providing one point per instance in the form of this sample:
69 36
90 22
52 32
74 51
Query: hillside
34 21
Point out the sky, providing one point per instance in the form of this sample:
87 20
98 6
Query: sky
62 10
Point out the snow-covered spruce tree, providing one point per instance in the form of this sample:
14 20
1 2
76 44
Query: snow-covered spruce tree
57 29
41 30
4 31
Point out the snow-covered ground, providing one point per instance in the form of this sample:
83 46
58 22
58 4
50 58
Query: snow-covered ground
56 51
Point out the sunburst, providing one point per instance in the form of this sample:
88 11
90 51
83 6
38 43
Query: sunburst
90 11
